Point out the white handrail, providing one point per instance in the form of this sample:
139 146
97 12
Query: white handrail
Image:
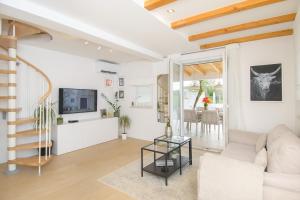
40 136
47 121
50 124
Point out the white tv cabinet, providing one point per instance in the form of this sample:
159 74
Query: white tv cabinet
74 136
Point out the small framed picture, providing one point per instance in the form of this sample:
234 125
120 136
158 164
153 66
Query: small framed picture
121 81
121 94
108 82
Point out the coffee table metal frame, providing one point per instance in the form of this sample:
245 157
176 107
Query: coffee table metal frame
171 146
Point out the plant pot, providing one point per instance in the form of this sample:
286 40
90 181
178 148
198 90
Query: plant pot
124 136
43 150
59 120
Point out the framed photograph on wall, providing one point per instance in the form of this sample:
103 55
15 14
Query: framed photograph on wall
121 82
266 82
108 82
121 94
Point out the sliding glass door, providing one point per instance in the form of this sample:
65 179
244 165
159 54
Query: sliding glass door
194 77
176 98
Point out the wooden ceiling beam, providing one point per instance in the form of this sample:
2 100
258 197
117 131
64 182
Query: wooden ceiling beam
153 4
215 68
234 8
249 38
187 72
197 69
245 26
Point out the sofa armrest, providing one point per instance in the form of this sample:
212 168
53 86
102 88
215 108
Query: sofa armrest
220 177
243 137
289 182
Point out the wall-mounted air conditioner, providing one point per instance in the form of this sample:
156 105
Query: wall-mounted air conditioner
107 67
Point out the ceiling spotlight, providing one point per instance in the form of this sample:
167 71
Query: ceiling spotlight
170 10
86 42
99 48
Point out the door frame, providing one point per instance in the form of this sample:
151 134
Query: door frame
199 57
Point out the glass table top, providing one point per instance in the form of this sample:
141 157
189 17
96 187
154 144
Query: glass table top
162 148
173 139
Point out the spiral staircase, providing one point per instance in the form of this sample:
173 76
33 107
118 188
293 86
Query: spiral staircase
28 130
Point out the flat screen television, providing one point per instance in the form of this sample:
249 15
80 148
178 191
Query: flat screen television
77 100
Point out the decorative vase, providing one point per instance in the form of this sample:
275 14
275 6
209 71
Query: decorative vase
124 136
205 106
168 131
117 114
59 120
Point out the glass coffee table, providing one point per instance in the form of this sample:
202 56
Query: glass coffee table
167 157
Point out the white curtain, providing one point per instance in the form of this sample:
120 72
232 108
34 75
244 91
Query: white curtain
235 114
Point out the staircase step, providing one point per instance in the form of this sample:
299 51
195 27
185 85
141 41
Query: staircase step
31 161
7 71
22 121
8 84
10 109
34 145
7 97
7 58
8 41
26 133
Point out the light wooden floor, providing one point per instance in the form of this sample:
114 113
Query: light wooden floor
73 175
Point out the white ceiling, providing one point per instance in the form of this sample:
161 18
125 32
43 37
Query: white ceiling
72 45
132 32
187 8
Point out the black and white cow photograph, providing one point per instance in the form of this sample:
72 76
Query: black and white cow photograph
266 82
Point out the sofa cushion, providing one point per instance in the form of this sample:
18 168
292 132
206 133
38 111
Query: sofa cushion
276 133
243 137
223 178
284 181
239 151
274 193
261 142
284 155
261 158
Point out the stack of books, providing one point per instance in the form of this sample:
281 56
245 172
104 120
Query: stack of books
162 163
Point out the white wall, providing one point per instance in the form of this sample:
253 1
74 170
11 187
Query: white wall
144 120
69 71
258 116
64 70
297 42
262 116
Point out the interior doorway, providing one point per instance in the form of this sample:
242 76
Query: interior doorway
203 104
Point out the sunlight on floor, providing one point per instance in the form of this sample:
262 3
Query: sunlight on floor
206 140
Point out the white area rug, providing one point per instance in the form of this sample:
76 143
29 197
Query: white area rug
128 180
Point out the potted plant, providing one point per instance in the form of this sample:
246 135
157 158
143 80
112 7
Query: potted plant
206 101
59 120
41 112
124 122
114 105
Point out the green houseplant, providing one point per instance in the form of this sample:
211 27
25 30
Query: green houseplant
41 112
125 123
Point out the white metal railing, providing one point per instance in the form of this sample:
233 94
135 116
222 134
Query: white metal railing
36 102
32 88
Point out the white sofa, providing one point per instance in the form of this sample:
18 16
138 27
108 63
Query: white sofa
276 154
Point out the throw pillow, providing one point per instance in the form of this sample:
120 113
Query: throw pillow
261 142
261 158
276 133
283 156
